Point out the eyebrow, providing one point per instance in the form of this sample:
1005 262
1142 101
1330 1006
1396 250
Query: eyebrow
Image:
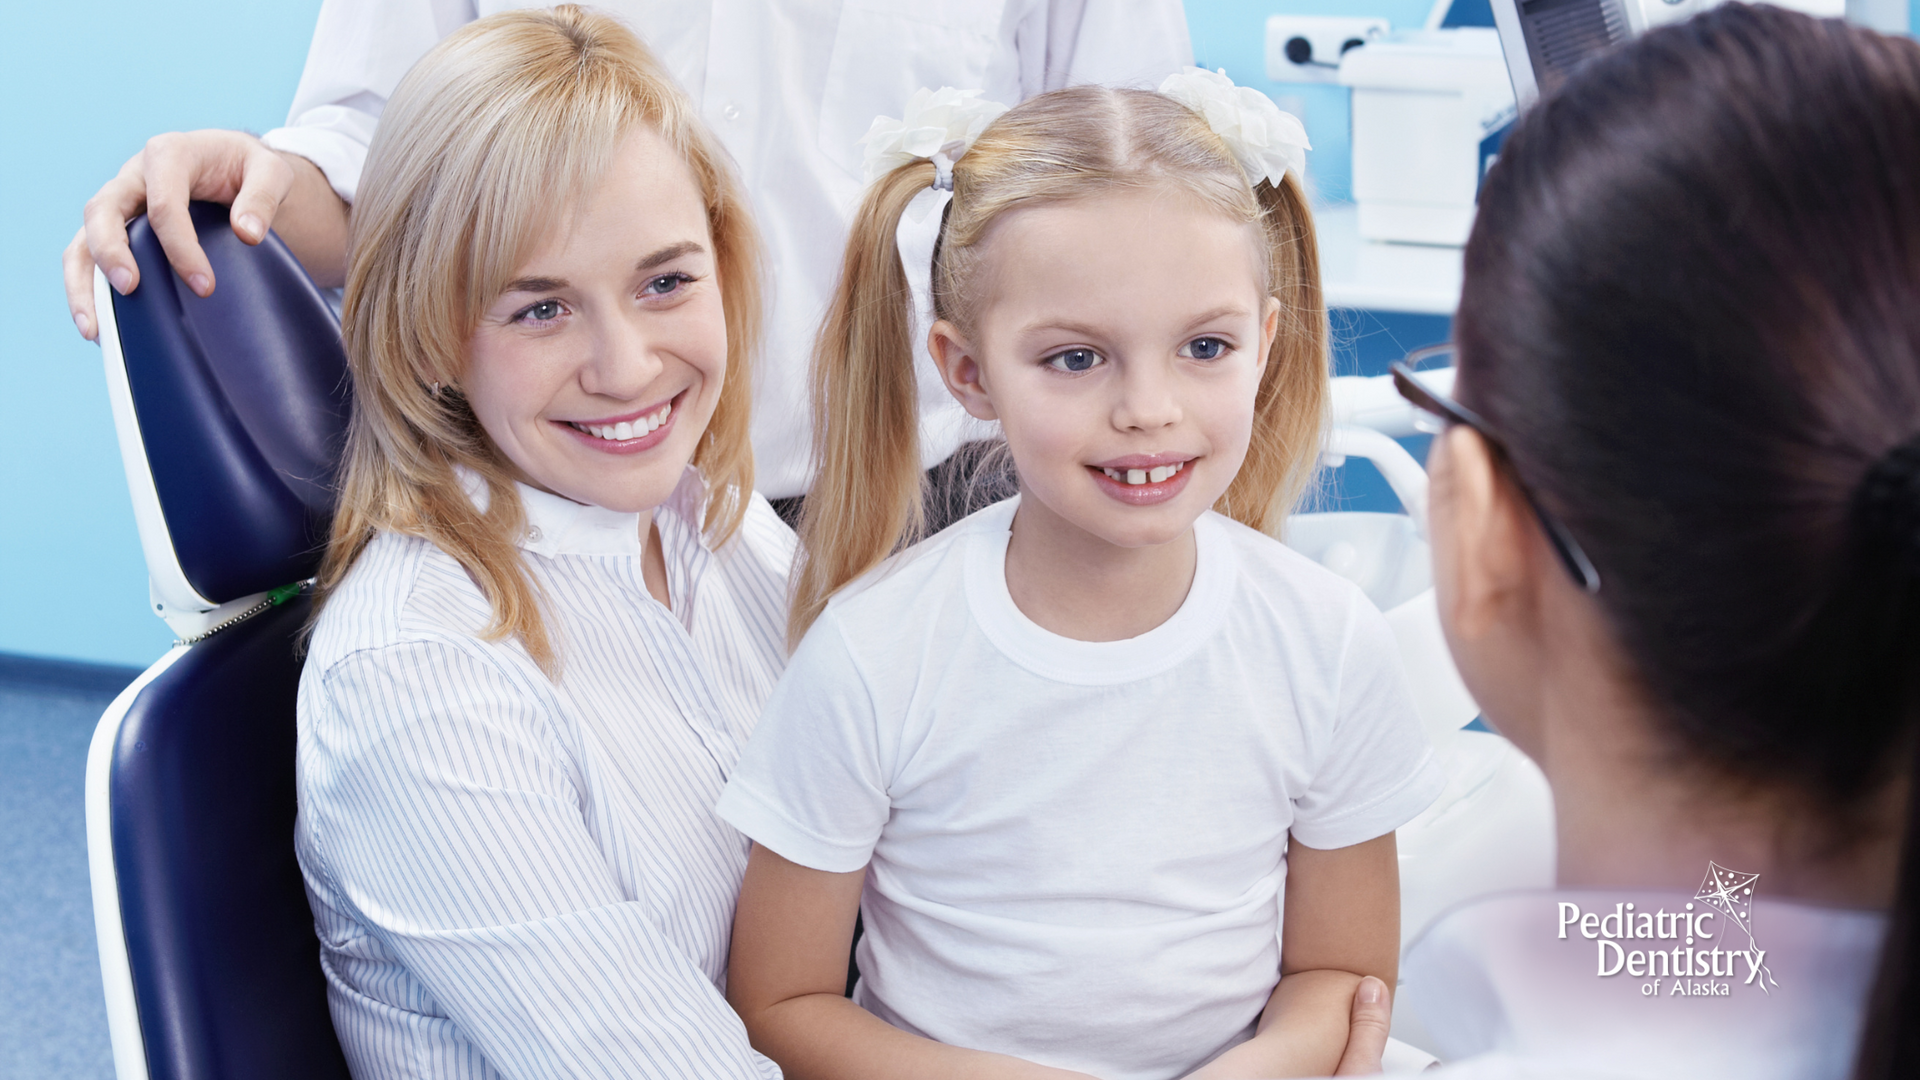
553 284
1087 330
668 254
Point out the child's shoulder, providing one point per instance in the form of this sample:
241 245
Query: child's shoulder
1274 574
918 577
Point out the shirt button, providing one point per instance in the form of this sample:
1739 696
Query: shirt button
533 534
731 111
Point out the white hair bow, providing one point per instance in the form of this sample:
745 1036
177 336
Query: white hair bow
939 124
1267 142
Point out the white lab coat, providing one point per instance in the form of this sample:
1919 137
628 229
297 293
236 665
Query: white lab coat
1498 993
789 86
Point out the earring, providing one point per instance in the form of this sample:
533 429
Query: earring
434 389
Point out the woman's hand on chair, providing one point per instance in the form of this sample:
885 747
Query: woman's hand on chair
231 167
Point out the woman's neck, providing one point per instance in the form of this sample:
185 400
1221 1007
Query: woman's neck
1079 586
1630 813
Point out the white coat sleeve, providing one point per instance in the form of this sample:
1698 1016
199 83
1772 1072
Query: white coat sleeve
441 805
360 50
1132 43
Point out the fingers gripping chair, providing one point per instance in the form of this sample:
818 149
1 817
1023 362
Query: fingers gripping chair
230 412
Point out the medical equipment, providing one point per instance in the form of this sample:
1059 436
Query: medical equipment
230 412
1545 39
1429 110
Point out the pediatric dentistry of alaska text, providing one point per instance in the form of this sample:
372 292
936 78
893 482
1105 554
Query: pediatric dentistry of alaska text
1682 961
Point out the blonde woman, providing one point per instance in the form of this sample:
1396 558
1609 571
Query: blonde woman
552 606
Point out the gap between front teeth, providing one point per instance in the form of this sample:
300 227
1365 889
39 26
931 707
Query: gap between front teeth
629 429
1135 477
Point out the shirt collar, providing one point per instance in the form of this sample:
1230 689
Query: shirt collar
557 525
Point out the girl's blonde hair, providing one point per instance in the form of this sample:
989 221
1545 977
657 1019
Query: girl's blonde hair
482 151
1087 140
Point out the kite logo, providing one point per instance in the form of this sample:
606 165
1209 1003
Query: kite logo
1688 946
1730 892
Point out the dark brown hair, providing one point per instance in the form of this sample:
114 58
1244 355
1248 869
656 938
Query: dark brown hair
1692 310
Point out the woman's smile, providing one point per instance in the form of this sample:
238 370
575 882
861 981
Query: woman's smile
633 433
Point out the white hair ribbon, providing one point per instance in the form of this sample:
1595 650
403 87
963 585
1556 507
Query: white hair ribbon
1267 142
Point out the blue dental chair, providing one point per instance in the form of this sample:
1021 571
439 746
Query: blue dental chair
231 412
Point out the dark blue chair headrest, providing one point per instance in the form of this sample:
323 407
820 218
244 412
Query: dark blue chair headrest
242 400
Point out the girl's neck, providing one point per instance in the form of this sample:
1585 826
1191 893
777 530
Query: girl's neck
1079 586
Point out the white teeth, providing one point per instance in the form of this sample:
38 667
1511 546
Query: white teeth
1134 477
628 429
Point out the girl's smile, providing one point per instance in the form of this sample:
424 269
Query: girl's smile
1143 479
1121 350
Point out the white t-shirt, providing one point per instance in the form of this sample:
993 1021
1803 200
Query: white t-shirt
1076 850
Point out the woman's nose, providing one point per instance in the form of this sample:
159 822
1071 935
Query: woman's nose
624 360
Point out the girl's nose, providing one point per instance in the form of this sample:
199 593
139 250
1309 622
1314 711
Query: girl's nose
623 362
1147 399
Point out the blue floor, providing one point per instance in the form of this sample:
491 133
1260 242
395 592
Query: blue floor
53 1023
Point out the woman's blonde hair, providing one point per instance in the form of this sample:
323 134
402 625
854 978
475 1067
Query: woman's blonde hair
866 500
482 151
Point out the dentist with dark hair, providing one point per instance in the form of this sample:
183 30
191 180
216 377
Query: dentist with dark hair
1676 527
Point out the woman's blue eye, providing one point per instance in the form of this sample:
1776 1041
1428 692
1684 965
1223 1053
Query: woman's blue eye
1073 360
1206 348
544 311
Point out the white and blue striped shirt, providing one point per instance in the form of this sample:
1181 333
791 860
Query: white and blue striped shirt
512 876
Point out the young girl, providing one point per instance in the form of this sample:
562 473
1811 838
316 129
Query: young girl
553 608
1068 757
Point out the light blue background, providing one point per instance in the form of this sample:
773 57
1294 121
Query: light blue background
89 83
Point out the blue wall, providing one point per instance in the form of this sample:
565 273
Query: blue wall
91 82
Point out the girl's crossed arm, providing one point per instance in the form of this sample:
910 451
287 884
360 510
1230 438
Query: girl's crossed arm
1341 922
787 974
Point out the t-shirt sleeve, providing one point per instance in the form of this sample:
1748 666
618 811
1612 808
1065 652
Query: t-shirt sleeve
1377 769
811 784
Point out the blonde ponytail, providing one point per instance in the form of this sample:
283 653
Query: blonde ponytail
865 500
1289 410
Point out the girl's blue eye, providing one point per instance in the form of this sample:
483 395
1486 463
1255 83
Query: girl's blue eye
666 284
1205 348
1073 361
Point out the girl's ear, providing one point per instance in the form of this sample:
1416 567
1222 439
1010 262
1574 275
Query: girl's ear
1269 328
954 358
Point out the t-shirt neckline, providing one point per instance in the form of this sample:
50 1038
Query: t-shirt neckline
1096 663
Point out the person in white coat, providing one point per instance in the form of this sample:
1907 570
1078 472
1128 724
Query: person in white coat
788 86
1676 530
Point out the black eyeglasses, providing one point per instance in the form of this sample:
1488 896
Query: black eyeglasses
1449 411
